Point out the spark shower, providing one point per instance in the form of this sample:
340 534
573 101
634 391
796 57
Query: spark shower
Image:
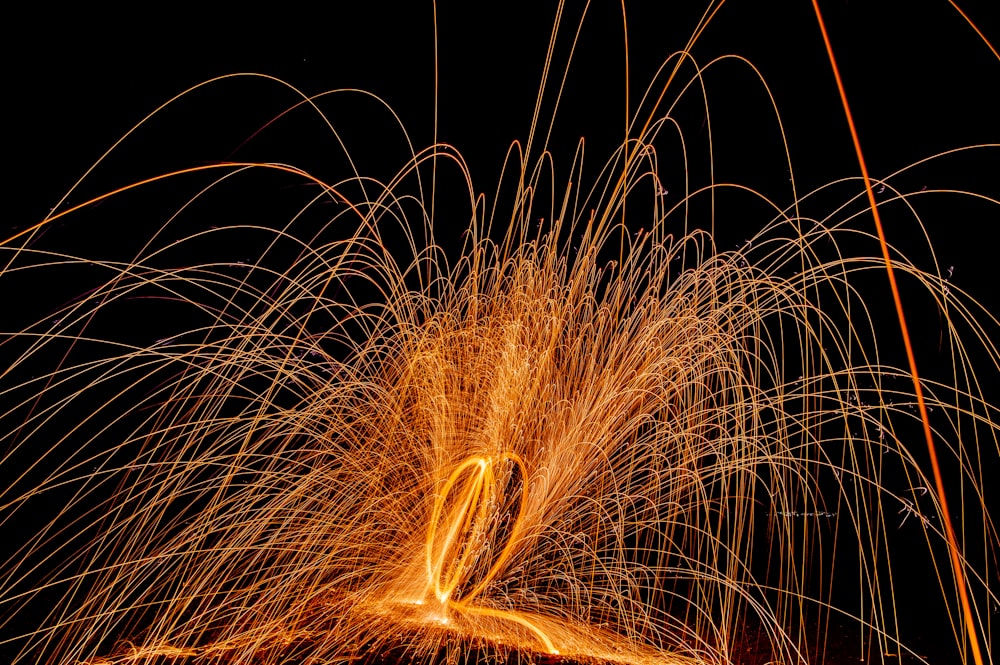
319 398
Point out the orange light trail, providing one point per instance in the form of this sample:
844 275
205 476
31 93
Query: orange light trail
956 555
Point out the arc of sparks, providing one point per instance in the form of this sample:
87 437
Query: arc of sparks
450 546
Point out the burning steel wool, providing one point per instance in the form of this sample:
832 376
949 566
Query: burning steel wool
580 428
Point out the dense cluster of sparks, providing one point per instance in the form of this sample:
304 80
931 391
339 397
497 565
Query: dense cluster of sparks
577 438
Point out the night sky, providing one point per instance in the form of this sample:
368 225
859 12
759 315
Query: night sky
918 77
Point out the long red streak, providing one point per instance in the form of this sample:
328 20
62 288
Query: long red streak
956 556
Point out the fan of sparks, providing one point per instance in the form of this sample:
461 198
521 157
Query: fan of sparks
579 427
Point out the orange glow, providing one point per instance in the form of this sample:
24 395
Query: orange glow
632 413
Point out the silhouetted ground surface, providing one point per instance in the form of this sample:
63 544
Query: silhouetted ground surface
843 646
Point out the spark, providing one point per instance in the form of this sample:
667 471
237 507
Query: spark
550 442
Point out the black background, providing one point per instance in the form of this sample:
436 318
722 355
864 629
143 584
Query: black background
919 79
920 82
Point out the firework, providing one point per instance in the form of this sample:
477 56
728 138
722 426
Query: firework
587 426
